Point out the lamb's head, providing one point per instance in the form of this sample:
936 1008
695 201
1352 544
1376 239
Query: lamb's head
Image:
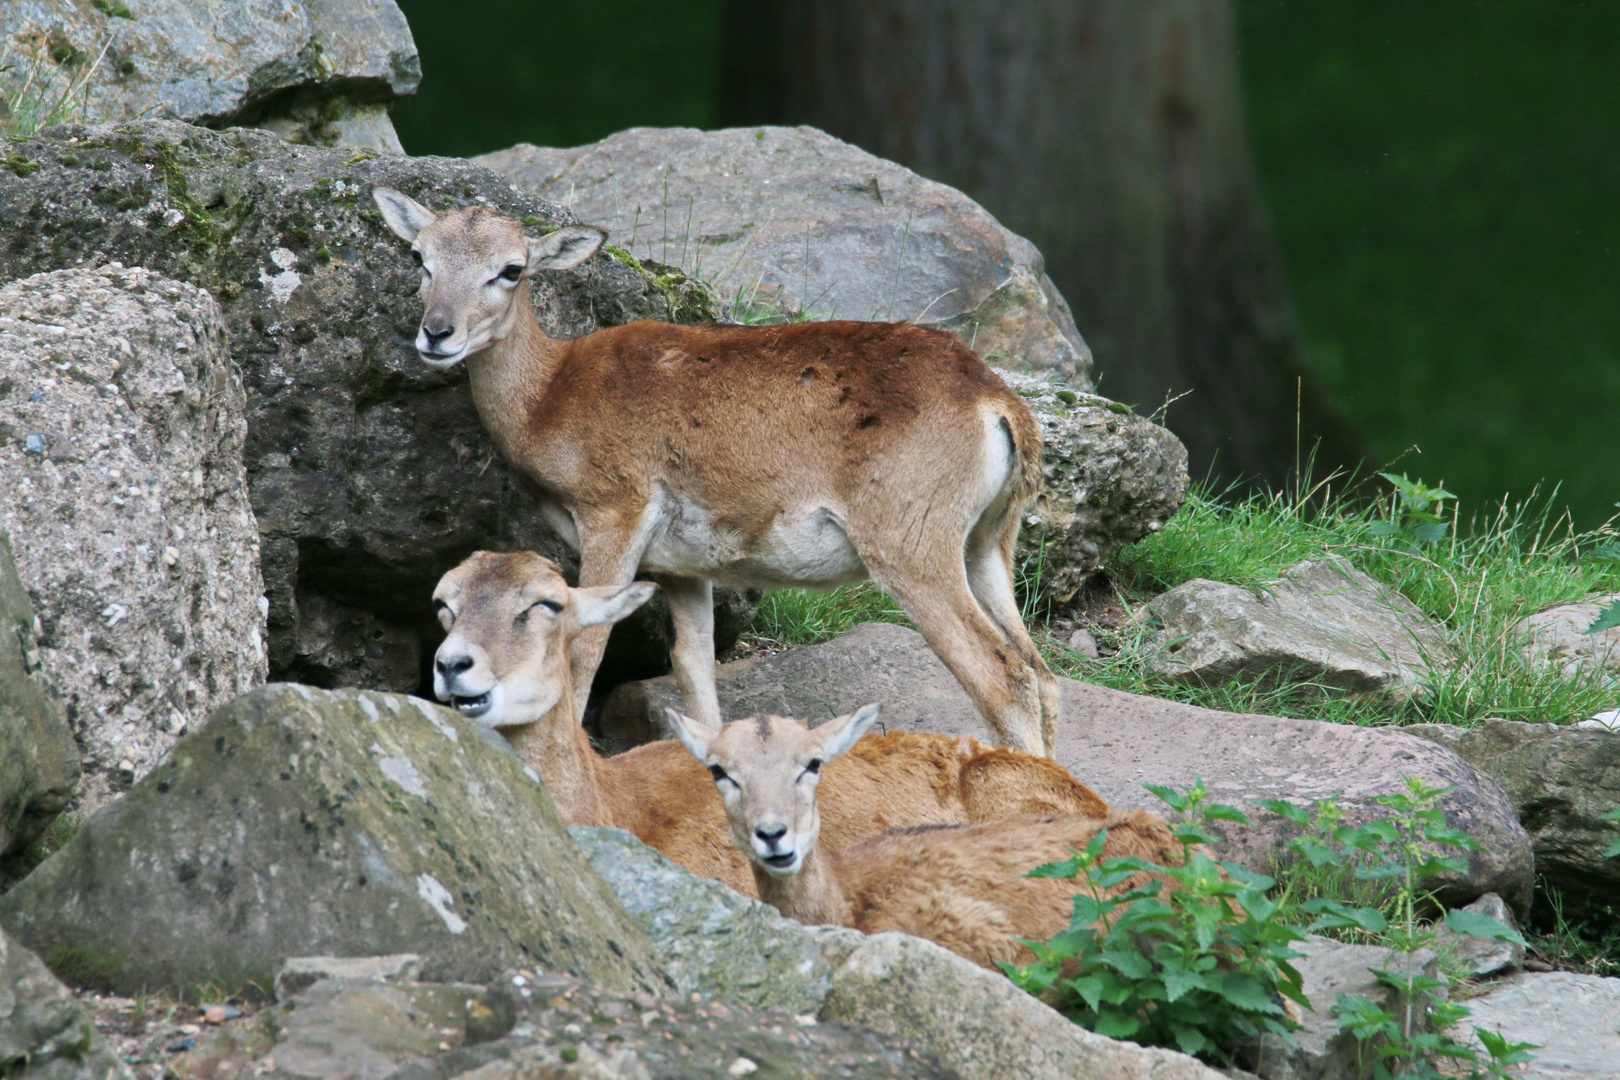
510 617
474 262
766 769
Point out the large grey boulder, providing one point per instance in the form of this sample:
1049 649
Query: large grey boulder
799 221
974 1020
318 71
1562 781
44 1035
709 939
122 485
39 763
369 472
1322 621
1111 477
1574 1020
1115 742
1557 638
299 822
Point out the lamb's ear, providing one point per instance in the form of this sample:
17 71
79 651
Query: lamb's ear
565 248
404 215
693 735
839 735
610 603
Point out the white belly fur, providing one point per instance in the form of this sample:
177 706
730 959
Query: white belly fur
805 546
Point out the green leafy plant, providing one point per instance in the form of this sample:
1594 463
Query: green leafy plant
1203 962
1400 851
1414 520
1202 966
1607 619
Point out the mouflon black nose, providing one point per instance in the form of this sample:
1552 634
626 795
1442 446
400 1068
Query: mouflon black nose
436 332
771 835
453 666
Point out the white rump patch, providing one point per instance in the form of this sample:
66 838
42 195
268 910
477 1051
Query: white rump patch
998 458
403 773
439 898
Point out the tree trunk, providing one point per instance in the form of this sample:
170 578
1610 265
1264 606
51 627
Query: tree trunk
1112 134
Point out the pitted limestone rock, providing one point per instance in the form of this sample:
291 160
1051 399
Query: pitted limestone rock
121 484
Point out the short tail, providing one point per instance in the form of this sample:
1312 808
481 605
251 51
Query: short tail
1025 482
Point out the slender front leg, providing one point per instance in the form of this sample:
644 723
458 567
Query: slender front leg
610 552
691 602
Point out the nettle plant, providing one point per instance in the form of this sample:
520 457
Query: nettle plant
1205 964
1415 517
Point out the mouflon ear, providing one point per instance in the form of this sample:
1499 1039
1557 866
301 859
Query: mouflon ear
840 734
610 603
694 736
404 215
565 248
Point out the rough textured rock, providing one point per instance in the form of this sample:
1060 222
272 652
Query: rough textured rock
352 1029
1115 742
43 1033
1557 638
1574 1019
1480 956
318 71
369 472
709 939
121 483
39 764
1562 780
1321 1051
300 822
299 973
1112 477
1322 621
973 1020
569 1029
797 221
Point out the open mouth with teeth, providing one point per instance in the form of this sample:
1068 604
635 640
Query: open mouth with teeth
470 706
780 862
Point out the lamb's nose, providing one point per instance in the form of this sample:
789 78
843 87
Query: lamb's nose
771 835
450 667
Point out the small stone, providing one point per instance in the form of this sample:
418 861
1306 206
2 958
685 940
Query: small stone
189 1029
1083 643
741 1067
216 1014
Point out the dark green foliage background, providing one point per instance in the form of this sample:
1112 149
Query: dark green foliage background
1444 177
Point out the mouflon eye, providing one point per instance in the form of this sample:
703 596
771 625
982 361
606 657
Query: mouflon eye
813 766
512 273
551 606
416 257
442 610
718 773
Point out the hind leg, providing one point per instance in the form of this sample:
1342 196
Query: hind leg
990 576
931 585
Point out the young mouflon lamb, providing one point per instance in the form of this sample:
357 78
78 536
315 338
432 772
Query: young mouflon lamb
961 886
